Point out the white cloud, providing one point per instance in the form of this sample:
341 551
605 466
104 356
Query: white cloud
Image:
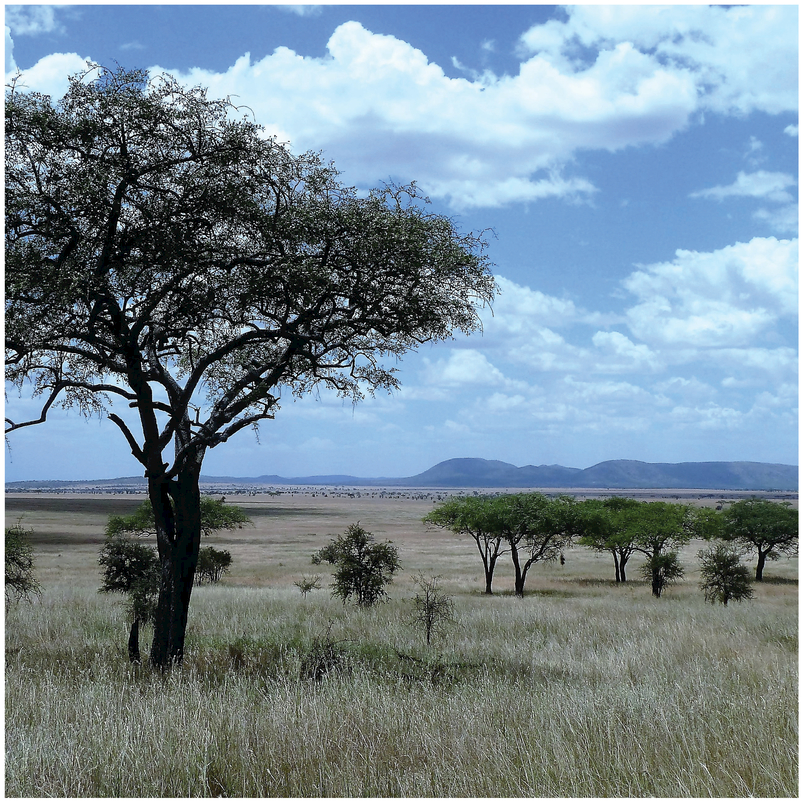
617 353
770 186
301 10
699 40
462 367
791 130
725 298
32 20
11 65
782 219
379 108
49 74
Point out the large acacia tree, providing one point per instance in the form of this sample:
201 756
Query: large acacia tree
474 516
163 253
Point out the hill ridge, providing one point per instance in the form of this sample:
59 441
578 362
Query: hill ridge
475 472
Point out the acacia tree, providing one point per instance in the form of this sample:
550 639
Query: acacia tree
608 526
472 516
763 527
661 529
164 253
20 579
536 528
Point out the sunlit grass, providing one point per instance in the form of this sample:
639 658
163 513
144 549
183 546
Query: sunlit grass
588 691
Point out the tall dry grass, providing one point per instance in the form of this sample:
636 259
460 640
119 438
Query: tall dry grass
579 689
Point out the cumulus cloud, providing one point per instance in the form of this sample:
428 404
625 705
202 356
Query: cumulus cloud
378 107
700 41
461 368
720 299
607 78
11 65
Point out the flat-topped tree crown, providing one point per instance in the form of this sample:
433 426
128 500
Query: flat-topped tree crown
163 251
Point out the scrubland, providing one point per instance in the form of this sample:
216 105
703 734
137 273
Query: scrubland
582 688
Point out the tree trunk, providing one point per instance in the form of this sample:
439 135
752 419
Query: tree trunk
760 564
616 567
623 560
134 641
519 574
178 538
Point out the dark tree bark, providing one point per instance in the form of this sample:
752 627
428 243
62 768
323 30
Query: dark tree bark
616 566
179 540
134 641
761 557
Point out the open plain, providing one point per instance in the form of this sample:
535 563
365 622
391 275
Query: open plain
582 688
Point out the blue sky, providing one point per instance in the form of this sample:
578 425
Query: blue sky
639 168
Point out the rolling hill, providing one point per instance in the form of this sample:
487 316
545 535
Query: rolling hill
615 474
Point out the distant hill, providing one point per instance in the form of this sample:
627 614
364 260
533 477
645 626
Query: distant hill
617 474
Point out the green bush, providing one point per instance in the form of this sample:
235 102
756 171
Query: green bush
20 580
723 578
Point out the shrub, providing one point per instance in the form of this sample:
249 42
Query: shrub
307 584
434 610
212 564
662 570
131 568
363 567
20 580
723 578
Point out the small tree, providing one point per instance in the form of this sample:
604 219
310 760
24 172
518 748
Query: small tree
723 578
608 525
363 567
662 570
660 529
212 564
20 580
434 609
131 568
307 584
757 525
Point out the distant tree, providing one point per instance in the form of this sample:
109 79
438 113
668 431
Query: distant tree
215 516
757 525
132 569
723 578
20 579
661 570
472 516
307 584
213 564
661 529
434 609
363 567
608 525
164 253
536 528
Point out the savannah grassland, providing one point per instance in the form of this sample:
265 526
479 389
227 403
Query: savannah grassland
582 688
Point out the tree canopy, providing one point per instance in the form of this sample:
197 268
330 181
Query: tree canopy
171 266
758 525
